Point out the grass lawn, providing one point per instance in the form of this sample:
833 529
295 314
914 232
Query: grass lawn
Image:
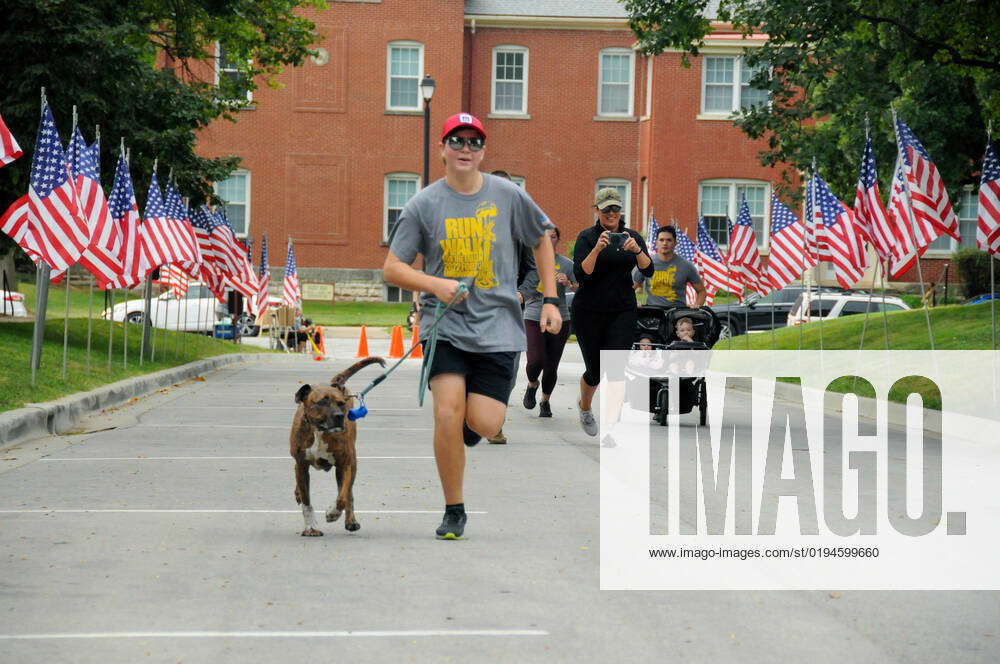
171 348
372 314
956 327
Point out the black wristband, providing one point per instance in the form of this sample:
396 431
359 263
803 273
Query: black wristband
550 300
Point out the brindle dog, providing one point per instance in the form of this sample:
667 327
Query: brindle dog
323 437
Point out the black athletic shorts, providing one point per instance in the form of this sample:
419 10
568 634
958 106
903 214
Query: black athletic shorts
489 374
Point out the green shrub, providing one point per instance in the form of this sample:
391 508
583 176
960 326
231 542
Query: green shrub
973 269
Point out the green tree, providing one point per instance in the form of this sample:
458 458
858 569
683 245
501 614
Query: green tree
144 71
830 64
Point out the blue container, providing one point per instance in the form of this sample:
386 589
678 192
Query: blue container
223 331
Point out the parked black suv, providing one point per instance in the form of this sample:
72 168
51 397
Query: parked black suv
762 313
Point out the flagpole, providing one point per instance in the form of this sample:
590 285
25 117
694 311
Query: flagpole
90 297
125 327
109 304
909 204
41 296
818 261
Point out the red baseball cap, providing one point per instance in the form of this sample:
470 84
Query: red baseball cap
460 120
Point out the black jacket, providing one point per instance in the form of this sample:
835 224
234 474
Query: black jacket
609 287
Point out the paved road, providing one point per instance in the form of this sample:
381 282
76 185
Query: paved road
169 533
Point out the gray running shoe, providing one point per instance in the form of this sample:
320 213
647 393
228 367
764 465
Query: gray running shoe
452 526
587 421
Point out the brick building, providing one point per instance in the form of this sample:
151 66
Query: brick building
568 104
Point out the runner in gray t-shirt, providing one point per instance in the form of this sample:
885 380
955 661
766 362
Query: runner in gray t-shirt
467 226
671 274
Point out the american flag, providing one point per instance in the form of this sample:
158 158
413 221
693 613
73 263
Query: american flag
101 257
125 212
178 213
203 222
869 214
711 263
164 241
263 280
654 228
988 226
293 291
789 257
9 149
686 250
840 239
14 224
54 216
928 195
173 277
911 236
240 275
744 258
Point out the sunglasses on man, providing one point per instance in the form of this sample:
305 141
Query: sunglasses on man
612 209
456 143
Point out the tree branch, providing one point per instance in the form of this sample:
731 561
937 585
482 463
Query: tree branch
957 57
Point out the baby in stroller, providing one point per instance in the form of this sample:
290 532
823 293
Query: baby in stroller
680 330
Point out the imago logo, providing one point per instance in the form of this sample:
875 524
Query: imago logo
800 470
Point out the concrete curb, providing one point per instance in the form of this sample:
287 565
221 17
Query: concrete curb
53 417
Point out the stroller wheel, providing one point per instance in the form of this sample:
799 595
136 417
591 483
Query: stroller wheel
702 404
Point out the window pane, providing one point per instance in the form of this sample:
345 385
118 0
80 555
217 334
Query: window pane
508 96
752 97
719 98
943 242
714 200
719 70
615 68
755 195
405 62
967 231
403 92
237 217
614 98
718 229
510 66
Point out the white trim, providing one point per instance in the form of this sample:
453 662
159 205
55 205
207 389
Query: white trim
508 48
246 202
631 81
388 74
648 112
401 176
627 200
473 21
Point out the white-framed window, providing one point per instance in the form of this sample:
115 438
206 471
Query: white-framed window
399 188
719 202
226 70
397 294
519 181
725 85
614 90
510 80
404 69
235 191
624 188
968 216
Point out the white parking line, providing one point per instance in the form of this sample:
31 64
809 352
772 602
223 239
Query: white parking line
220 458
406 633
190 511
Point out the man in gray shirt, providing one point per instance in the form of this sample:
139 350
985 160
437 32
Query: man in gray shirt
671 274
467 226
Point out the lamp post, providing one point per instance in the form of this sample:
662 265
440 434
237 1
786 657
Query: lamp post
427 91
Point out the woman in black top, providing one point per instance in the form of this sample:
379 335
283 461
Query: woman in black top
604 308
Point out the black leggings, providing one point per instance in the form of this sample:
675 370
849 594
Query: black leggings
544 352
603 330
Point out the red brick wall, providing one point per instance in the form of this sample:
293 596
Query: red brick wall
561 151
318 149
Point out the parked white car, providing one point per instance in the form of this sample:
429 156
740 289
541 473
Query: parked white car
12 304
814 305
197 311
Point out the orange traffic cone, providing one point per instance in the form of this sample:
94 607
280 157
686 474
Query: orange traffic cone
415 343
363 343
322 341
319 351
396 343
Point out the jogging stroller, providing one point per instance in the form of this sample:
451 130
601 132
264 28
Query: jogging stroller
652 359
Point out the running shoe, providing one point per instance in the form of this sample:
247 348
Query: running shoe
452 526
587 421
544 409
470 437
529 397
498 439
